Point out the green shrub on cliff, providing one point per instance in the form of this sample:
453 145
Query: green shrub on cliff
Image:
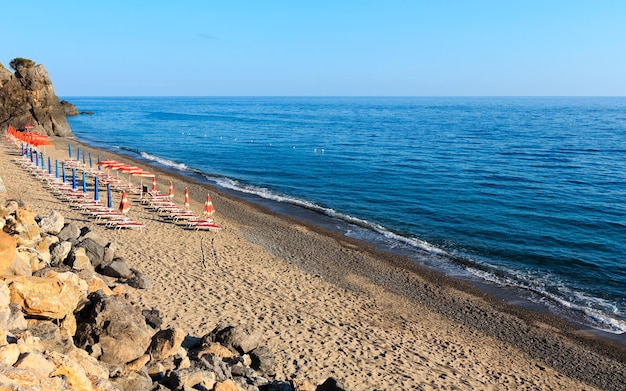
20 62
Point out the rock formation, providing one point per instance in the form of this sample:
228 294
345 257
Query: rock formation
27 98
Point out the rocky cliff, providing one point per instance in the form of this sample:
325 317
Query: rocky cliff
27 98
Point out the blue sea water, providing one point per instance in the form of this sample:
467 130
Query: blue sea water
527 193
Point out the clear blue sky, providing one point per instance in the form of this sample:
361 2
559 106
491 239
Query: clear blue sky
273 48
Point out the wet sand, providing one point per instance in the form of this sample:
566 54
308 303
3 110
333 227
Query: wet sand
329 305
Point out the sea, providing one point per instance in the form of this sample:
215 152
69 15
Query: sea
522 196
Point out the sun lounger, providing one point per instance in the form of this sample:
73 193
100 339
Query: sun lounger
207 227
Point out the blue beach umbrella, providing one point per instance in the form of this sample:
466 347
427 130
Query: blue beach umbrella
90 162
43 164
73 179
69 147
49 166
95 188
56 172
109 200
99 168
84 161
78 154
84 182
63 170
32 155
36 159
22 150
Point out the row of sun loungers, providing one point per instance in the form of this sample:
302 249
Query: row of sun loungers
160 203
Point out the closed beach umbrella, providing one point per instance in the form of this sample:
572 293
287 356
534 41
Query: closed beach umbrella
84 182
36 159
63 170
49 166
171 193
73 179
154 189
95 189
84 161
99 168
78 154
90 162
69 147
109 200
56 169
43 164
124 205
186 198
208 206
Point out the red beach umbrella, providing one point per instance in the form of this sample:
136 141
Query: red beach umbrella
154 189
124 205
186 198
208 206
171 193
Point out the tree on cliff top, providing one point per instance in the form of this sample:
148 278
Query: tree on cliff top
20 62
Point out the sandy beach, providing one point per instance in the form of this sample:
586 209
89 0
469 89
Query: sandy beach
331 306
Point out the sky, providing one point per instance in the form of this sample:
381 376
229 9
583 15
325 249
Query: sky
322 48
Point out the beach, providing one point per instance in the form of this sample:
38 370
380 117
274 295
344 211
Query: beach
332 306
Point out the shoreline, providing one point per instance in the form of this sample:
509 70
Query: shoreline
514 296
361 272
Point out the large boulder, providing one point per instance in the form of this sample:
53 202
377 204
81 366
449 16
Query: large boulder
52 223
52 297
27 98
118 328
7 251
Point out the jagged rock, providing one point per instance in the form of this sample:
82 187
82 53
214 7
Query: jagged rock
86 233
117 327
5 311
36 362
52 223
165 343
24 379
94 282
188 378
26 260
228 385
330 384
68 108
109 252
263 360
138 280
117 268
50 336
59 252
91 366
133 381
79 260
93 250
302 385
214 364
27 97
71 370
16 322
69 232
242 338
9 354
7 251
153 318
50 297
217 349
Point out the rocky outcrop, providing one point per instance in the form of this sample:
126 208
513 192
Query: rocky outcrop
27 98
65 323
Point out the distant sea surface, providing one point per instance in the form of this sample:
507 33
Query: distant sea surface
528 194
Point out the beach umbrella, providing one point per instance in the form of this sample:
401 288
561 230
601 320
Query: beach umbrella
90 162
208 206
186 198
84 161
36 159
63 170
109 200
84 182
56 172
73 179
22 151
49 167
171 192
124 205
95 189
78 154
99 162
43 162
154 189
69 147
